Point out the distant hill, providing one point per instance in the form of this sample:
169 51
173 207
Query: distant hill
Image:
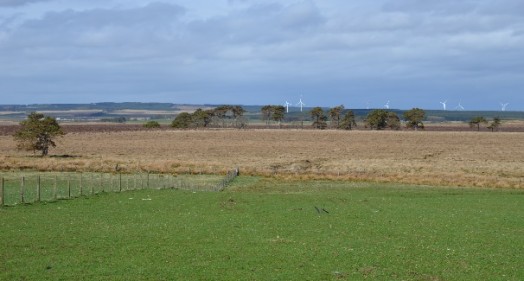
142 111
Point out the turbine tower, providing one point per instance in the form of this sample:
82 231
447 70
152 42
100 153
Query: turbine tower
301 104
287 104
386 106
444 104
504 106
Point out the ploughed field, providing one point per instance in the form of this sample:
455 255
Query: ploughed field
482 159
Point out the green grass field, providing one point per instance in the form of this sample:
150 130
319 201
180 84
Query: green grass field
31 187
268 229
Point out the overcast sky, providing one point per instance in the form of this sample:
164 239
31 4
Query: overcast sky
413 53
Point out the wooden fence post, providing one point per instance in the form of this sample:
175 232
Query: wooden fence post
92 184
38 188
119 182
22 186
69 188
81 188
55 187
1 192
147 180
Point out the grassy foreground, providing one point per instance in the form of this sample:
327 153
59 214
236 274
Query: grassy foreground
265 229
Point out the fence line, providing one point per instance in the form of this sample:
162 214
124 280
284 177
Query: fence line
46 188
231 175
1 192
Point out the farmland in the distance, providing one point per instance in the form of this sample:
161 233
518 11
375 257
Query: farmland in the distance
482 159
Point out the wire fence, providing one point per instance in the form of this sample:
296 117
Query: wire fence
231 175
46 187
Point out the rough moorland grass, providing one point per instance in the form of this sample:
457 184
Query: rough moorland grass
264 229
482 159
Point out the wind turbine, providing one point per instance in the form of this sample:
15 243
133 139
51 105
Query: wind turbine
459 106
287 104
504 106
301 104
386 106
444 104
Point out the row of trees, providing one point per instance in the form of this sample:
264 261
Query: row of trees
345 119
493 126
379 119
273 113
222 116
339 119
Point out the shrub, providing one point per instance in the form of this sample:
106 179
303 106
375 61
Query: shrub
152 124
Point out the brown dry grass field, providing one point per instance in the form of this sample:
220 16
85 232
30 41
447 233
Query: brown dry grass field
480 159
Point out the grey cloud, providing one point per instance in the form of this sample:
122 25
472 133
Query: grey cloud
103 32
261 24
301 15
13 3
400 47
236 1
447 7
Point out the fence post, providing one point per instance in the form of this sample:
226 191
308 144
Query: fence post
55 195
92 184
101 183
119 182
81 188
147 180
38 188
1 192
68 188
22 186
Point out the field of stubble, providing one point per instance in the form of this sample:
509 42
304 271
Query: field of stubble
481 159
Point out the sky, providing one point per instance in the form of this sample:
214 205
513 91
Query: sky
361 54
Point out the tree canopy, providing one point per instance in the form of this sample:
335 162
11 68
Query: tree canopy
348 121
495 124
275 113
151 124
319 119
414 118
476 121
381 119
37 133
183 120
221 116
334 115
377 119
